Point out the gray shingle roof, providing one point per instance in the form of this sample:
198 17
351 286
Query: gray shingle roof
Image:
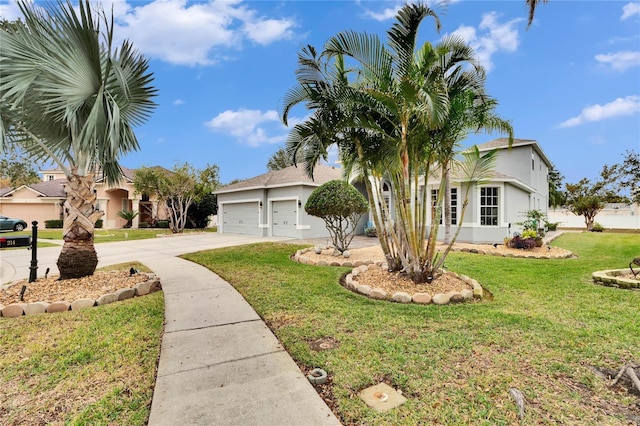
504 143
50 188
285 177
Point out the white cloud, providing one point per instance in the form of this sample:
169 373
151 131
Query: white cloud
629 10
619 61
178 102
251 127
186 33
385 14
490 37
390 12
9 10
621 106
267 31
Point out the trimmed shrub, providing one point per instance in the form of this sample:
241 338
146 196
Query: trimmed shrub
340 205
597 227
53 224
57 223
143 225
162 224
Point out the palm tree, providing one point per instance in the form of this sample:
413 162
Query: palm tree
70 97
383 113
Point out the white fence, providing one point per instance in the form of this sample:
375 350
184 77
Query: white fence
613 216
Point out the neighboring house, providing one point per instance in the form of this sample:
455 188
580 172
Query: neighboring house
273 204
44 200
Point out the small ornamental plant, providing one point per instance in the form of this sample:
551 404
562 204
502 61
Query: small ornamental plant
523 241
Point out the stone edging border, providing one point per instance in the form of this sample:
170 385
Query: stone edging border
610 278
419 298
18 309
301 258
400 297
524 256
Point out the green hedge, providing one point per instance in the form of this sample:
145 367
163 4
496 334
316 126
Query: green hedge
57 224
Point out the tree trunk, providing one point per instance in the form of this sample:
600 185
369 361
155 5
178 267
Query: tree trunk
447 204
78 257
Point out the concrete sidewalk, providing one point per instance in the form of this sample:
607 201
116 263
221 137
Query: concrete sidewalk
219 363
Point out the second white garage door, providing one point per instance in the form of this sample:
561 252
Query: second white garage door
284 218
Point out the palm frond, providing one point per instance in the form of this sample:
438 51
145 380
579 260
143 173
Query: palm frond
77 97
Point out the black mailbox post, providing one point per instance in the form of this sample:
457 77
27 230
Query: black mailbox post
21 241
33 269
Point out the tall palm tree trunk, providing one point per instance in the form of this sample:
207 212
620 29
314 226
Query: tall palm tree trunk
78 257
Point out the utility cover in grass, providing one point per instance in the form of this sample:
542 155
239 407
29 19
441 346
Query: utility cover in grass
382 397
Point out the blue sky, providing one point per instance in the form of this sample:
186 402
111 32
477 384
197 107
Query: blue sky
571 82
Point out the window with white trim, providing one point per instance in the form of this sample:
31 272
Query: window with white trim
454 206
434 200
489 206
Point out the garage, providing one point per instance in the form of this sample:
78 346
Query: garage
271 204
284 216
241 218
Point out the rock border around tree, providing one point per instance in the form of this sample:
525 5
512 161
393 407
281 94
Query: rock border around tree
419 298
141 289
611 278
400 297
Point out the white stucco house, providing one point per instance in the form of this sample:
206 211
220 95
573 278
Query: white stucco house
272 204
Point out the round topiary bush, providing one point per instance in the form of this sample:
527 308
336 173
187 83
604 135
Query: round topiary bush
340 205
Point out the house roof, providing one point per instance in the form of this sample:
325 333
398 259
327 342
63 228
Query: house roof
503 143
289 176
49 188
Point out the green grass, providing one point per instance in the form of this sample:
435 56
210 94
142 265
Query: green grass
107 235
95 366
545 329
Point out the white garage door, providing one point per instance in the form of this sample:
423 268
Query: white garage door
284 218
240 218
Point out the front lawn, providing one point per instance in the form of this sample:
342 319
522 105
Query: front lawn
109 235
95 366
546 329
